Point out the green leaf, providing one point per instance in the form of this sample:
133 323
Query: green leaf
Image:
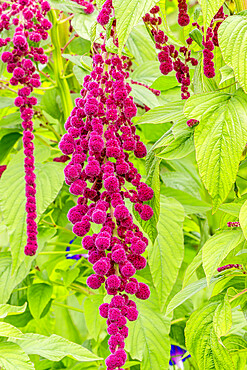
202 342
6 144
9 277
7 309
49 180
209 9
38 296
191 204
222 320
144 95
220 139
5 101
139 37
128 13
243 218
169 112
54 348
147 72
217 248
197 36
153 180
7 330
66 6
186 293
50 104
148 339
178 144
166 255
95 323
82 24
12 357
226 73
193 266
237 346
232 40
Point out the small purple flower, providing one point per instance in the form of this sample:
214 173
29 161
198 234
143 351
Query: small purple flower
73 256
176 354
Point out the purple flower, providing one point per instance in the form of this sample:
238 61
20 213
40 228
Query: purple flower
73 256
176 354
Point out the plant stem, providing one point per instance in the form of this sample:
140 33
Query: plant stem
178 320
238 295
59 67
65 46
62 252
66 306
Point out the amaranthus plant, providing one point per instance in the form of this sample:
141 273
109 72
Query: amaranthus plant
123 184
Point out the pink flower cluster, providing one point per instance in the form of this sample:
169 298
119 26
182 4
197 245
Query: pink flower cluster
233 224
230 266
210 42
192 122
28 16
88 6
100 138
169 56
105 13
183 16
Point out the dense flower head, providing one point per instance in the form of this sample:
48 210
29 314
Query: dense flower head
31 26
183 16
104 139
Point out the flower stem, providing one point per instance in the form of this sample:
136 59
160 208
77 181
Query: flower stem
59 67
66 306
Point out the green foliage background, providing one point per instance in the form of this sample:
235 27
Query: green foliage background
48 317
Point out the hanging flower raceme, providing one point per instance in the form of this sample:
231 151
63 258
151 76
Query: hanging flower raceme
210 42
100 138
168 56
28 17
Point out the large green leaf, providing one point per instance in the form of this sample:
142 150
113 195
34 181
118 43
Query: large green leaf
54 348
12 357
9 277
237 346
193 266
243 218
165 113
185 294
7 309
233 42
49 180
222 320
128 13
139 37
148 339
209 9
177 144
95 323
202 342
38 297
6 144
191 204
217 248
7 330
220 139
82 24
166 255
